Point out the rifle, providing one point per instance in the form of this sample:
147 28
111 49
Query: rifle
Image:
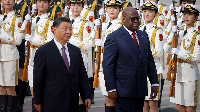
66 5
174 58
98 52
27 53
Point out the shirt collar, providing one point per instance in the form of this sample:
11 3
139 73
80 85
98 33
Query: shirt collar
129 31
59 45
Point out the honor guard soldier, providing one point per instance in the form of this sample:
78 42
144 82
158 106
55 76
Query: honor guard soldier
11 36
113 8
21 9
159 20
150 9
81 38
188 54
56 9
123 6
88 14
40 34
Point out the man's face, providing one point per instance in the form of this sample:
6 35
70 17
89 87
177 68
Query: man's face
113 11
149 15
131 20
63 32
42 5
8 4
76 8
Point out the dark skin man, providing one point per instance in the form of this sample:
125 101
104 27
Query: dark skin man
130 20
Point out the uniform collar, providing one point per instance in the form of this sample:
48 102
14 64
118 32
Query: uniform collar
77 18
43 16
18 2
10 14
115 21
191 29
149 24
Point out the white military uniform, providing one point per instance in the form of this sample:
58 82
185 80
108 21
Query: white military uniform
8 50
156 45
105 32
187 77
81 38
88 15
41 32
163 9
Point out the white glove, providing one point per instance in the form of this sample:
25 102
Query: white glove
172 18
97 23
101 12
27 17
171 8
66 9
28 37
175 51
34 7
174 29
98 42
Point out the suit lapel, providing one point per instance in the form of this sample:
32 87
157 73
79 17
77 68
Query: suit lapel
56 52
141 42
71 55
129 40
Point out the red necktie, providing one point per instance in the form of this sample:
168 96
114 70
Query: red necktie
134 38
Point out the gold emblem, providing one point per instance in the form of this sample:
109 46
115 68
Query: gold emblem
19 11
148 3
58 3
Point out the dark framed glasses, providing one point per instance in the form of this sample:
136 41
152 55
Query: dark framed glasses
133 18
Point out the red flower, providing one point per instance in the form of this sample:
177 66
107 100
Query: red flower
19 24
162 22
199 42
166 12
59 14
160 37
91 18
88 28
199 28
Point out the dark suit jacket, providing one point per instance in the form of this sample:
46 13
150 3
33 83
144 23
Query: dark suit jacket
54 87
125 66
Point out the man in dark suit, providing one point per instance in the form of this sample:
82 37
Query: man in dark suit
127 61
59 73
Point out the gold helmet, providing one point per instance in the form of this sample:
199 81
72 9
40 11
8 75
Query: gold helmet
191 8
149 5
113 2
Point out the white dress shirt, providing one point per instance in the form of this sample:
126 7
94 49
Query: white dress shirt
60 49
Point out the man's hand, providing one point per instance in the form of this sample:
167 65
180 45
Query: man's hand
87 104
38 107
154 92
113 95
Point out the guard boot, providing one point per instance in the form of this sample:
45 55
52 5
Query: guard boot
11 103
161 89
22 87
3 103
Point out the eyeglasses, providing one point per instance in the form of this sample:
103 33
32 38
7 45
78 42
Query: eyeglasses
134 18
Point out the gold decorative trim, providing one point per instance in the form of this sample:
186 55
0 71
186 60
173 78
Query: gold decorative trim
192 43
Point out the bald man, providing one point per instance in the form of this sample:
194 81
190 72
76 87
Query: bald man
127 61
